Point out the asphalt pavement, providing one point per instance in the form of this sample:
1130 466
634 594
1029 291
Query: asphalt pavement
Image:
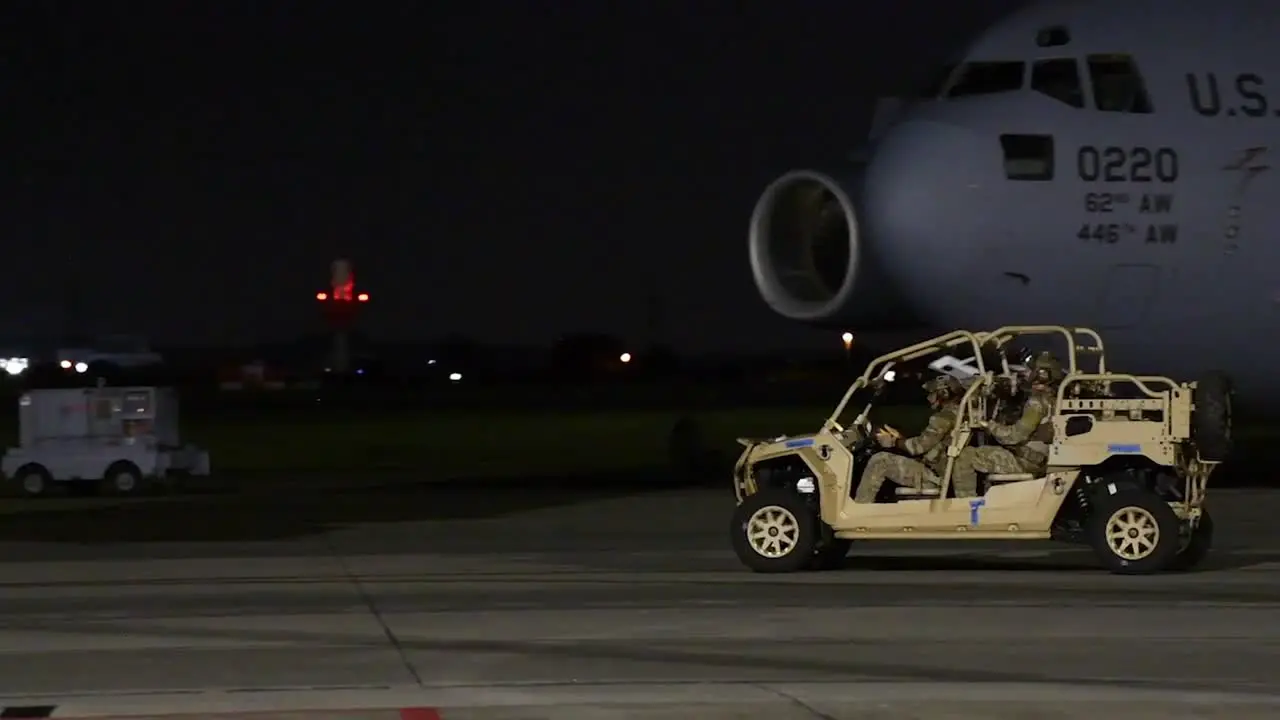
614 600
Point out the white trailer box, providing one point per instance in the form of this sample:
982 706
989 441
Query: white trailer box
122 436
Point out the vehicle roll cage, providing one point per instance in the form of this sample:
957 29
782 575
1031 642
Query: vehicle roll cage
1076 343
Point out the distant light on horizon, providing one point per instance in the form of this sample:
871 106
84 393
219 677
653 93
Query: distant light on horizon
625 358
16 365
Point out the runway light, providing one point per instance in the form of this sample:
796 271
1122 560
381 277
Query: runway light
82 367
322 296
625 358
65 364
455 377
363 297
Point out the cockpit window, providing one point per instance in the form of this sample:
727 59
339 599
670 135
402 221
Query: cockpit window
1117 84
938 82
988 78
1060 80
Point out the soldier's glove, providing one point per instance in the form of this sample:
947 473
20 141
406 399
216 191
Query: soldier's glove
886 439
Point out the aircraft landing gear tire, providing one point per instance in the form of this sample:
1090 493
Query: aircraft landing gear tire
1195 548
1134 532
775 531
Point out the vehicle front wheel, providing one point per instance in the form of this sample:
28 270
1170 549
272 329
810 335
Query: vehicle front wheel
775 531
34 480
1134 533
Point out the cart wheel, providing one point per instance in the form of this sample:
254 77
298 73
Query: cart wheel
123 479
34 480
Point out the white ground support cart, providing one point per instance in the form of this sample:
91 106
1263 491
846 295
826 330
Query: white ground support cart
119 436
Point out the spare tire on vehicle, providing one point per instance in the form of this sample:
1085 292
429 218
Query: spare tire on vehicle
1211 421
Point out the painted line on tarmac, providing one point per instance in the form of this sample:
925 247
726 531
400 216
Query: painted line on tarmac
446 701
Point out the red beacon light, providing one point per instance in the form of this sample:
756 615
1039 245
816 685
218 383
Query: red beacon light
343 289
339 296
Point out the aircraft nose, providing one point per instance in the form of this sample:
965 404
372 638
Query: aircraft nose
924 199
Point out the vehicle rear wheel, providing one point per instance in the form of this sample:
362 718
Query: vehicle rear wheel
1195 545
775 531
1134 532
123 478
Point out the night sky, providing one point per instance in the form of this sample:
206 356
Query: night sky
509 170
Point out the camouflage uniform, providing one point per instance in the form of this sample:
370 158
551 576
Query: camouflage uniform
1024 444
930 446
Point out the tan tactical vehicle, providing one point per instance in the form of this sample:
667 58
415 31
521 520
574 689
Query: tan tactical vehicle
1127 471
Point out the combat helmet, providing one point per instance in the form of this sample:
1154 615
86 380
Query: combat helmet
1046 369
944 386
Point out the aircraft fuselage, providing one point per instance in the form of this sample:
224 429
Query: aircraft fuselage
1076 167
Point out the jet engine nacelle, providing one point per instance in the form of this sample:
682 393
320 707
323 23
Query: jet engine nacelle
813 258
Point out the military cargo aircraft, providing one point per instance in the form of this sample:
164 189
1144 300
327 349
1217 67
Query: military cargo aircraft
1109 163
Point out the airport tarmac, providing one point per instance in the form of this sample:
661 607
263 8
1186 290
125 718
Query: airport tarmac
603 602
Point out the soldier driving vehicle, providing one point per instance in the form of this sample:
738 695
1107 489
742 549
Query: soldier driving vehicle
930 446
1116 461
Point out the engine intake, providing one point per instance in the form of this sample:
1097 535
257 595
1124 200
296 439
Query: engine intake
810 256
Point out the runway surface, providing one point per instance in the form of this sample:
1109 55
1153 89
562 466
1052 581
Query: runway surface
509 602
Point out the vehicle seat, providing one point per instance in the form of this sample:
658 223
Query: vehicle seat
998 478
907 493
994 479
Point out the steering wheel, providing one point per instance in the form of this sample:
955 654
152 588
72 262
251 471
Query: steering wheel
863 438
863 448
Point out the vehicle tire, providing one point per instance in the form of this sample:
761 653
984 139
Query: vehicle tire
1211 421
123 478
1195 549
1134 532
775 531
33 480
